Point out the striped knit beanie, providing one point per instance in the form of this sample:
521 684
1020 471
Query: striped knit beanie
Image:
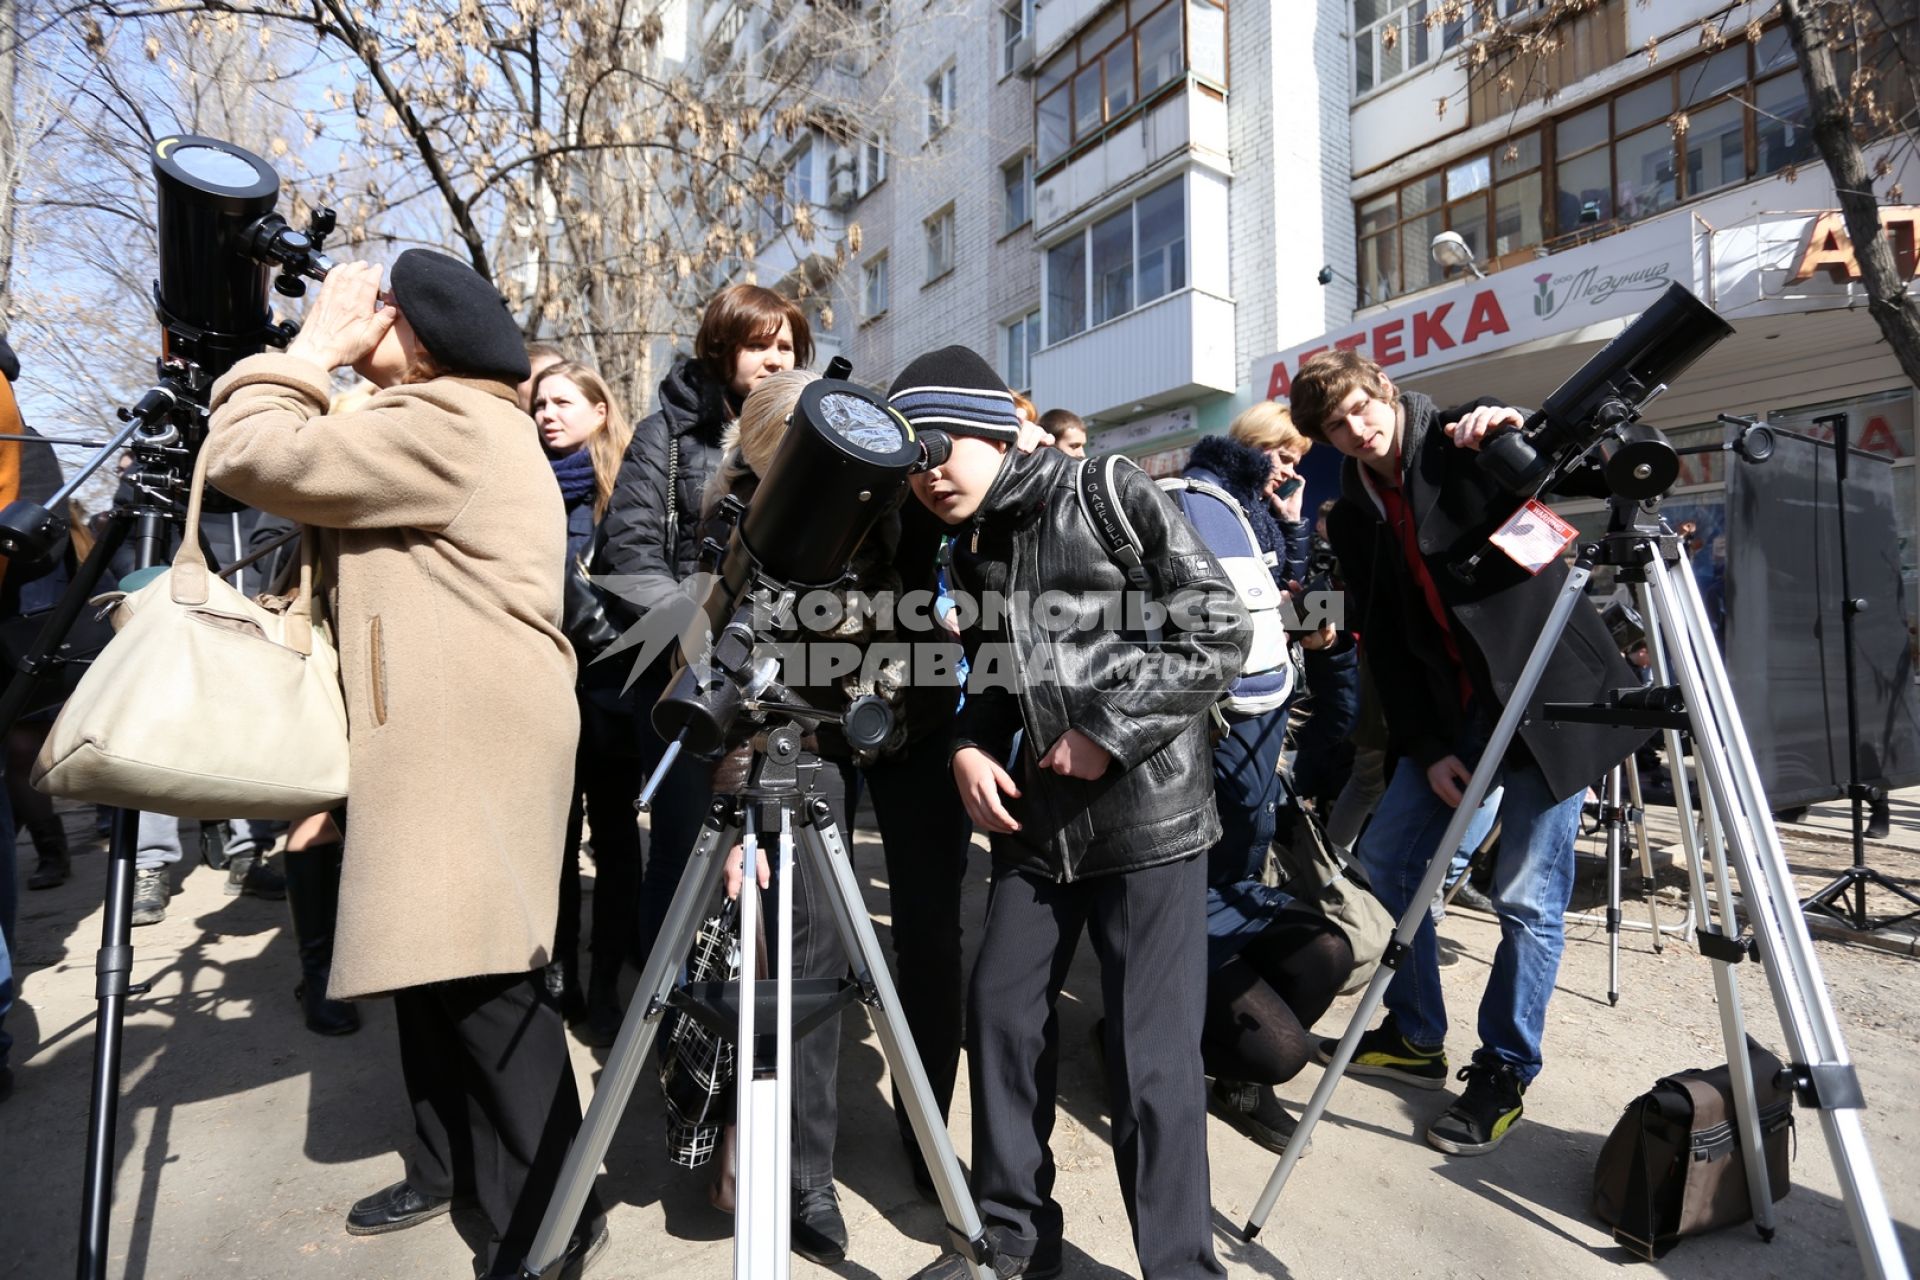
955 391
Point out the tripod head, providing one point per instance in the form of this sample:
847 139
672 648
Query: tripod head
219 239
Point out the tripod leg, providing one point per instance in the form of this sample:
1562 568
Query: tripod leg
781 1182
629 1051
1726 987
1791 967
1610 800
756 1252
112 966
827 856
1398 947
1637 817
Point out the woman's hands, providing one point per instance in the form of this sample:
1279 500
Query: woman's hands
345 321
737 860
1031 436
1288 507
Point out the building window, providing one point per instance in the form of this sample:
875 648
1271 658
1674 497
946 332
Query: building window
1019 340
796 183
943 89
873 162
1016 193
1596 169
873 287
1016 24
1132 52
940 244
1395 38
1118 264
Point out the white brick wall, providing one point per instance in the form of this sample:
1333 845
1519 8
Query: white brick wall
1292 210
993 278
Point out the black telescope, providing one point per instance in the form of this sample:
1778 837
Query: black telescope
220 240
1600 403
842 464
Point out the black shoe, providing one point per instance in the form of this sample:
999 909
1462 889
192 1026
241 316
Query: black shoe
325 1017
52 871
249 873
151 891
1469 896
951 1266
1384 1052
1879 822
1484 1114
582 1252
394 1209
819 1232
1254 1110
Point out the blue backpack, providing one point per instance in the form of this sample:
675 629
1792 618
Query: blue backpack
1266 679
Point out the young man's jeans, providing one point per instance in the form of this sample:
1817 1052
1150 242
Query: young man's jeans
1532 879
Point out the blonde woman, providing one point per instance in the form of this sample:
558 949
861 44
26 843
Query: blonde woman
585 436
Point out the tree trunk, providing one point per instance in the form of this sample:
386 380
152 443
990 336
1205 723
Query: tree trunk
1888 301
9 158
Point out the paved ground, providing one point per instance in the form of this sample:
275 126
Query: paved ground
243 1138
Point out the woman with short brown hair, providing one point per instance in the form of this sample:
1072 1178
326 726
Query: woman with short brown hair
649 543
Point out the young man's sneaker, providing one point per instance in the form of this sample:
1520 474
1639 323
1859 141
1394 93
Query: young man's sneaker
1254 1110
1384 1052
151 890
1484 1115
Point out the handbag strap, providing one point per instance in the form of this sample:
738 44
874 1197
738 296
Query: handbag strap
188 581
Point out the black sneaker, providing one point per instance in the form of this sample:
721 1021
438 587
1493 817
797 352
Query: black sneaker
151 890
249 873
1254 1110
1484 1114
1384 1052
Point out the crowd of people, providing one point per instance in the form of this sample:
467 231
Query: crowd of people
492 521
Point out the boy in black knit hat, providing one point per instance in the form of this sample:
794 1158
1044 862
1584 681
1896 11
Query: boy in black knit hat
1097 825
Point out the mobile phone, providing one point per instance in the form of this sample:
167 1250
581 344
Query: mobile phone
1291 487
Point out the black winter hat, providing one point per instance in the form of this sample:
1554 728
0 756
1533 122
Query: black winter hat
461 319
955 391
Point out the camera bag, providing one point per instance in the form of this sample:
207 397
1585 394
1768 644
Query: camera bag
1672 1167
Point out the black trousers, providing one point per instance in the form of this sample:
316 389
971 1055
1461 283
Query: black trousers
494 1102
606 783
926 833
1148 929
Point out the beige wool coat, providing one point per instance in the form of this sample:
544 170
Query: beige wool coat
444 531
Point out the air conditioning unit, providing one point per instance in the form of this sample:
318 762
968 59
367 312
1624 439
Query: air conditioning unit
1023 56
840 158
843 188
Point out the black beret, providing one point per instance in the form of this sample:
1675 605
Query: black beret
460 318
9 362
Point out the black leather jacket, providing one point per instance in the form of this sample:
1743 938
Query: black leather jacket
1047 666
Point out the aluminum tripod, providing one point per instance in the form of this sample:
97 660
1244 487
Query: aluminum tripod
1738 821
1622 813
781 785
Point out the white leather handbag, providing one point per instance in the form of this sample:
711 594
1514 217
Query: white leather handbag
206 704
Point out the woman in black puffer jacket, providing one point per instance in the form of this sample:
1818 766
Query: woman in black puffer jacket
649 544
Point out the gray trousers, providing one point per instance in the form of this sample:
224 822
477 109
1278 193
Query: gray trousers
1148 929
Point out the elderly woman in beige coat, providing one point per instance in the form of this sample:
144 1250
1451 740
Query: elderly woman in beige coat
441 523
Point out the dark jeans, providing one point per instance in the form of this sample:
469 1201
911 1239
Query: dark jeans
609 780
926 833
624 722
494 1102
817 953
1148 929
